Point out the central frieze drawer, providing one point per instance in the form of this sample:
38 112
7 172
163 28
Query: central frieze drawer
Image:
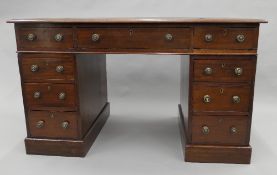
139 38
49 95
209 97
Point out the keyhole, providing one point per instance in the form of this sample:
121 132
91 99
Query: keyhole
222 65
130 32
52 115
49 88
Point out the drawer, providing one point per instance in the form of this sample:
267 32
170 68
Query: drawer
220 130
44 38
227 69
47 67
206 37
49 95
210 97
49 124
139 38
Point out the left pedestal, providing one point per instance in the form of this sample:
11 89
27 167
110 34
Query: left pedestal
65 101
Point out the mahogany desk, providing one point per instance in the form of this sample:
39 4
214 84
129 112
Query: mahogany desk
62 65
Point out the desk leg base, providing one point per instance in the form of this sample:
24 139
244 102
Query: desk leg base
72 148
212 153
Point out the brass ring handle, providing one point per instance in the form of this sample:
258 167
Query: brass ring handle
31 37
34 68
40 124
206 99
240 38
58 37
208 37
95 37
205 130
236 99
37 95
65 124
238 71
208 71
233 130
59 69
168 37
62 96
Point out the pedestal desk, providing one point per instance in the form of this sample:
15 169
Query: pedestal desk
62 64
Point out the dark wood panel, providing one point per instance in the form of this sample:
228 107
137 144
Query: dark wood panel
48 124
47 65
131 38
225 37
218 154
224 68
44 38
222 130
221 97
92 87
49 95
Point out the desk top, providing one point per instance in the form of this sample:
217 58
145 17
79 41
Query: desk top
137 20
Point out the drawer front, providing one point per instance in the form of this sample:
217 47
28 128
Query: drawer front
49 95
220 97
225 38
224 70
139 38
46 67
220 130
48 124
44 38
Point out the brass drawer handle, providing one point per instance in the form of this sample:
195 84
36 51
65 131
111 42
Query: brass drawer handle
31 37
37 95
208 37
34 68
58 37
206 99
238 71
62 96
40 124
65 124
95 37
205 130
208 71
240 38
236 99
168 37
233 130
59 69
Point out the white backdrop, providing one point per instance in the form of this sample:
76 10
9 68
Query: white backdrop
141 135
